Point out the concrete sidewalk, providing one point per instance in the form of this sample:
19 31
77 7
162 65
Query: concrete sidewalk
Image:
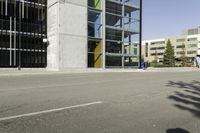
39 71
173 69
15 72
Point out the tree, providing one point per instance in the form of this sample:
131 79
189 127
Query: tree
169 58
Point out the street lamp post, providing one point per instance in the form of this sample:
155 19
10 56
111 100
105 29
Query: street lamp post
140 38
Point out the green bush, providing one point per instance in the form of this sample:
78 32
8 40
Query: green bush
166 65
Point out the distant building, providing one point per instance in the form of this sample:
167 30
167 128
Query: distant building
187 44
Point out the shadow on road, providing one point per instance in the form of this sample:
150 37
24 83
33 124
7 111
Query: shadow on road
187 97
177 130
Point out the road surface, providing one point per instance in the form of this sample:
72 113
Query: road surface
151 102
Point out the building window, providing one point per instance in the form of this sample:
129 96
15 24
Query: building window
191 39
155 54
180 40
113 61
180 53
94 24
157 48
180 46
158 43
96 4
146 49
192 45
113 47
191 52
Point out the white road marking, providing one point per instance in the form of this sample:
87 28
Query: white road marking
50 111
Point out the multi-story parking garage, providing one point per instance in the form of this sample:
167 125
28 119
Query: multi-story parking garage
62 34
22 29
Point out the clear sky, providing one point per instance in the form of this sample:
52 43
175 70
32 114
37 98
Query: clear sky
163 18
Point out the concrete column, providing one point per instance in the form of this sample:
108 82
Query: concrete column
67 34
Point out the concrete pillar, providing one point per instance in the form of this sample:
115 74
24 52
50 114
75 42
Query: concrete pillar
67 34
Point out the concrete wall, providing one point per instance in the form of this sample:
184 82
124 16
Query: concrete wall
68 46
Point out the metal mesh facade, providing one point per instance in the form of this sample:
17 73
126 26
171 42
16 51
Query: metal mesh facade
23 26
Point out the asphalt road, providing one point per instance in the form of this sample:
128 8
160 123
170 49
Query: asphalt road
152 102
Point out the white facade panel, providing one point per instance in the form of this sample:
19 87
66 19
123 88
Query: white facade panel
67 34
73 20
73 52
